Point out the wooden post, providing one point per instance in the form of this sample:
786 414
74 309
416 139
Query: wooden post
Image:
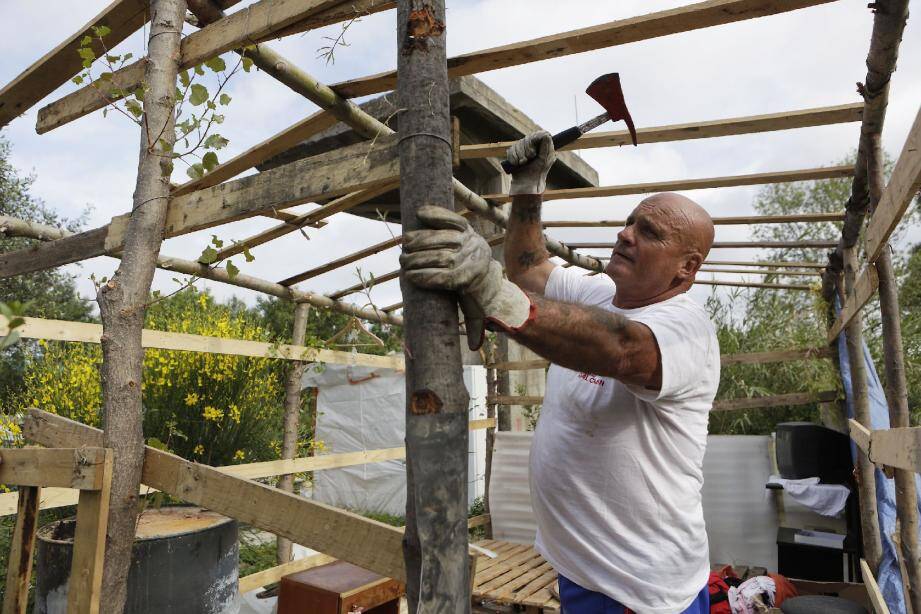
491 431
19 563
122 300
86 569
292 416
866 481
896 388
435 541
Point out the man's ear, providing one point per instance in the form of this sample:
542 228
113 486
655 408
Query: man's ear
690 265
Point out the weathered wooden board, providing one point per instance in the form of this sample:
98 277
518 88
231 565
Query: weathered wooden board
85 585
22 546
81 468
864 289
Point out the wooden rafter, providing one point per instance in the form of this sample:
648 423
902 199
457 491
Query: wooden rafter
729 244
633 29
810 174
718 221
770 122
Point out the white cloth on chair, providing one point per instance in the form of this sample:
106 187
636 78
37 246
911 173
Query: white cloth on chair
825 499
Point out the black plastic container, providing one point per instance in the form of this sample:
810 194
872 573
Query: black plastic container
185 561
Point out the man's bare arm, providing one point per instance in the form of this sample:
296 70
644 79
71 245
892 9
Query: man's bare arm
592 340
527 262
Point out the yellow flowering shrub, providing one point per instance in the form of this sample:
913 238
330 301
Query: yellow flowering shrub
213 408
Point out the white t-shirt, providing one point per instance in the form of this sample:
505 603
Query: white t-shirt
617 470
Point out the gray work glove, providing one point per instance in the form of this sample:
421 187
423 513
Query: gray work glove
451 256
532 156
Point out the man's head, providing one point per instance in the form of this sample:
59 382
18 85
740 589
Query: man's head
660 250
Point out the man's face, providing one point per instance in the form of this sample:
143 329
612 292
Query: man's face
649 253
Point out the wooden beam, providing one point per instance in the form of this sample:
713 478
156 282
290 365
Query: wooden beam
344 535
85 583
275 574
897 447
904 184
256 23
860 434
768 263
717 221
343 203
729 244
779 400
22 547
341 262
644 27
873 592
782 273
80 468
819 116
84 332
864 289
752 284
809 174
347 169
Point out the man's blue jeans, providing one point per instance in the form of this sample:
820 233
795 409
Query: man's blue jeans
578 600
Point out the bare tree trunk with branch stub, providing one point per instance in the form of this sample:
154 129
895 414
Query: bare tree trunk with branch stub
292 416
123 299
435 541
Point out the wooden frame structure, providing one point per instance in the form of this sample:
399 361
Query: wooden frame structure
345 178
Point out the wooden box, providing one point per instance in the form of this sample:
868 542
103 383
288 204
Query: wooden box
338 588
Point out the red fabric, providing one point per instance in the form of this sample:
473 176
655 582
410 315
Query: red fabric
719 592
784 589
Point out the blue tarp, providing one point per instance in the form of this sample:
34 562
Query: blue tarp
889 576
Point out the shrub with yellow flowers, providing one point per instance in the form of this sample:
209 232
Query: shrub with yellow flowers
213 408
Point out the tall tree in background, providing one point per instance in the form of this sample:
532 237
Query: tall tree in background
51 293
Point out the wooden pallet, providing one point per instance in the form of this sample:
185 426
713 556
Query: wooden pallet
518 576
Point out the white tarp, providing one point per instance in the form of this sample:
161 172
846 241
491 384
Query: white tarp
359 408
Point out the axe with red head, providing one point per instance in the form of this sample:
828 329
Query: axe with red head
606 91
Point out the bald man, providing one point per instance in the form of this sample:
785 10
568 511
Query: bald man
616 460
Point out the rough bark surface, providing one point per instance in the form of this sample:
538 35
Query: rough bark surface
122 300
866 482
435 542
292 416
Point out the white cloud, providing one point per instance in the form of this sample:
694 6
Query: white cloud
807 58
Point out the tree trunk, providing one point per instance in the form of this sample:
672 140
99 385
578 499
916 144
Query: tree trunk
906 496
869 518
435 542
122 300
491 391
292 415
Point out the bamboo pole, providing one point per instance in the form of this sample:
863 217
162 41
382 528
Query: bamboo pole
866 481
292 417
717 221
122 300
727 245
438 575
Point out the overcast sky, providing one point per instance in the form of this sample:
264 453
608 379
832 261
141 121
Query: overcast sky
808 58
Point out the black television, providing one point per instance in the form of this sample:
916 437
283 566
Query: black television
806 450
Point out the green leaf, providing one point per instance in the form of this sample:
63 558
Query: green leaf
105 76
232 269
196 171
217 119
9 340
208 255
101 31
248 255
153 442
215 141
216 64
211 105
134 107
225 99
209 161
216 242
112 58
78 79
86 40
127 57
199 94
199 70
247 64
184 78
86 53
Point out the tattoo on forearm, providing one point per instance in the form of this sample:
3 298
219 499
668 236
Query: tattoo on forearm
528 259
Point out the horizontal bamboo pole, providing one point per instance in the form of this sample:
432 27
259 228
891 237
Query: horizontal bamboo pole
728 244
782 272
718 221
752 284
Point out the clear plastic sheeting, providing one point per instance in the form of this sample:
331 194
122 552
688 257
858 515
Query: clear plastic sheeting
360 408
510 510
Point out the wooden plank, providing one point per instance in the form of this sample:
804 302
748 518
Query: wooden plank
256 23
897 447
275 574
644 27
675 185
725 359
779 400
729 245
864 289
717 221
81 468
479 521
780 273
85 585
344 535
55 68
340 262
768 263
265 469
860 434
903 187
876 597
752 284
22 546
49 498
803 118
83 332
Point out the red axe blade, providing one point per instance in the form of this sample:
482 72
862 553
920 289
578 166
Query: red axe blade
606 91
